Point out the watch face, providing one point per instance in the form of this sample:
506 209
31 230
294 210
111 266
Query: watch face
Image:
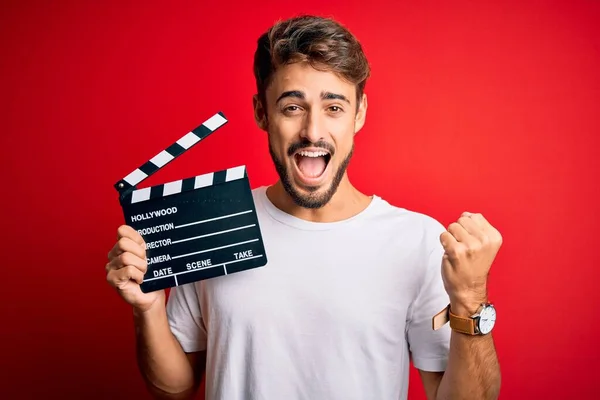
487 319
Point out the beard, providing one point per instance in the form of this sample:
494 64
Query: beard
312 200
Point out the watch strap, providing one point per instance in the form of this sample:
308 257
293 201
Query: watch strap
462 324
457 323
440 319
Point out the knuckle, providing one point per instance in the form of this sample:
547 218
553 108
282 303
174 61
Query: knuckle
144 266
122 243
132 271
452 251
129 270
122 230
124 259
499 238
110 277
485 239
460 251
473 249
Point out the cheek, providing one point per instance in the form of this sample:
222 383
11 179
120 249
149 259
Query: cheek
282 135
278 144
343 136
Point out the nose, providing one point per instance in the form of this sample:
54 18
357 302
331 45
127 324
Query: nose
313 129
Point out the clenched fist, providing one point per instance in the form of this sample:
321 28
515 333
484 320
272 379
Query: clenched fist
126 268
470 245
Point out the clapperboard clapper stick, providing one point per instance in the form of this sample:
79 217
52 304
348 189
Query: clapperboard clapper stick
195 228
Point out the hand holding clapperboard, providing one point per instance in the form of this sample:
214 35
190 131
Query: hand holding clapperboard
195 228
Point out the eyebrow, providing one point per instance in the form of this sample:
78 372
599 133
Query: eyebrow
324 96
291 93
334 96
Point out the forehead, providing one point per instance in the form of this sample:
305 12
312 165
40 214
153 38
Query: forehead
312 82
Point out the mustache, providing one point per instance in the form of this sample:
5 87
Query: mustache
304 144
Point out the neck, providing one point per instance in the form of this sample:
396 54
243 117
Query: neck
345 203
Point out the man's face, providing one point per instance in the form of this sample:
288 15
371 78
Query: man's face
311 121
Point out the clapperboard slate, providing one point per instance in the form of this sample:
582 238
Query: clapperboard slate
195 228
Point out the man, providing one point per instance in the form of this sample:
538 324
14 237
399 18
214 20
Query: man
352 283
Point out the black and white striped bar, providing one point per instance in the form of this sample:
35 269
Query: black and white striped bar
197 182
173 151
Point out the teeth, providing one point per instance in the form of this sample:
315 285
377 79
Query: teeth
304 153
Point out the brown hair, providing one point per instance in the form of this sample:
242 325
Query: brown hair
322 42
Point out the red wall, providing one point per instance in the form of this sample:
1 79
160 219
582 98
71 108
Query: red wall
483 107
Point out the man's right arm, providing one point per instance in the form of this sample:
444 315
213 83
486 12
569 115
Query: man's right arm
168 371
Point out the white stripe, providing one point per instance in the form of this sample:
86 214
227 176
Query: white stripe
214 122
161 159
235 173
203 268
212 234
203 180
188 140
225 267
213 219
172 188
140 195
214 248
176 283
135 177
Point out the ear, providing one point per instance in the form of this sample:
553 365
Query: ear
260 115
361 114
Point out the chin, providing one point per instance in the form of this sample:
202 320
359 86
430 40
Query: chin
311 197
310 177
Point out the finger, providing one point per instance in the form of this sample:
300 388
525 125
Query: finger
489 231
128 231
116 277
447 240
125 244
453 248
447 261
459 232
472 228
128 259
477 218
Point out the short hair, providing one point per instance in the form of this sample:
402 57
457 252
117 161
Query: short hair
322 42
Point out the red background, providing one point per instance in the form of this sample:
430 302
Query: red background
490 107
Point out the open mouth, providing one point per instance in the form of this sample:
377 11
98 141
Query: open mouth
312 164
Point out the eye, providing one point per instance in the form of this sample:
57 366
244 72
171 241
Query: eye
291 109
335 109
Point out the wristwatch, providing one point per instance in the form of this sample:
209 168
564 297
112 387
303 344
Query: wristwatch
480 323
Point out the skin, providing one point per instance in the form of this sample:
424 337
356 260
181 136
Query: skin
168 372
306 115
305 107
471 244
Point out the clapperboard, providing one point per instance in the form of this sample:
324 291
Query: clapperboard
195 228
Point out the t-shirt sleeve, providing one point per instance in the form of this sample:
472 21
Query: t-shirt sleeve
429 348
185 317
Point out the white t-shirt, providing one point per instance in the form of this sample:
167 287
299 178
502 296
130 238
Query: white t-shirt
334 315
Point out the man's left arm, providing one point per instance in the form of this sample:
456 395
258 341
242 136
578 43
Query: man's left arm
473 372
